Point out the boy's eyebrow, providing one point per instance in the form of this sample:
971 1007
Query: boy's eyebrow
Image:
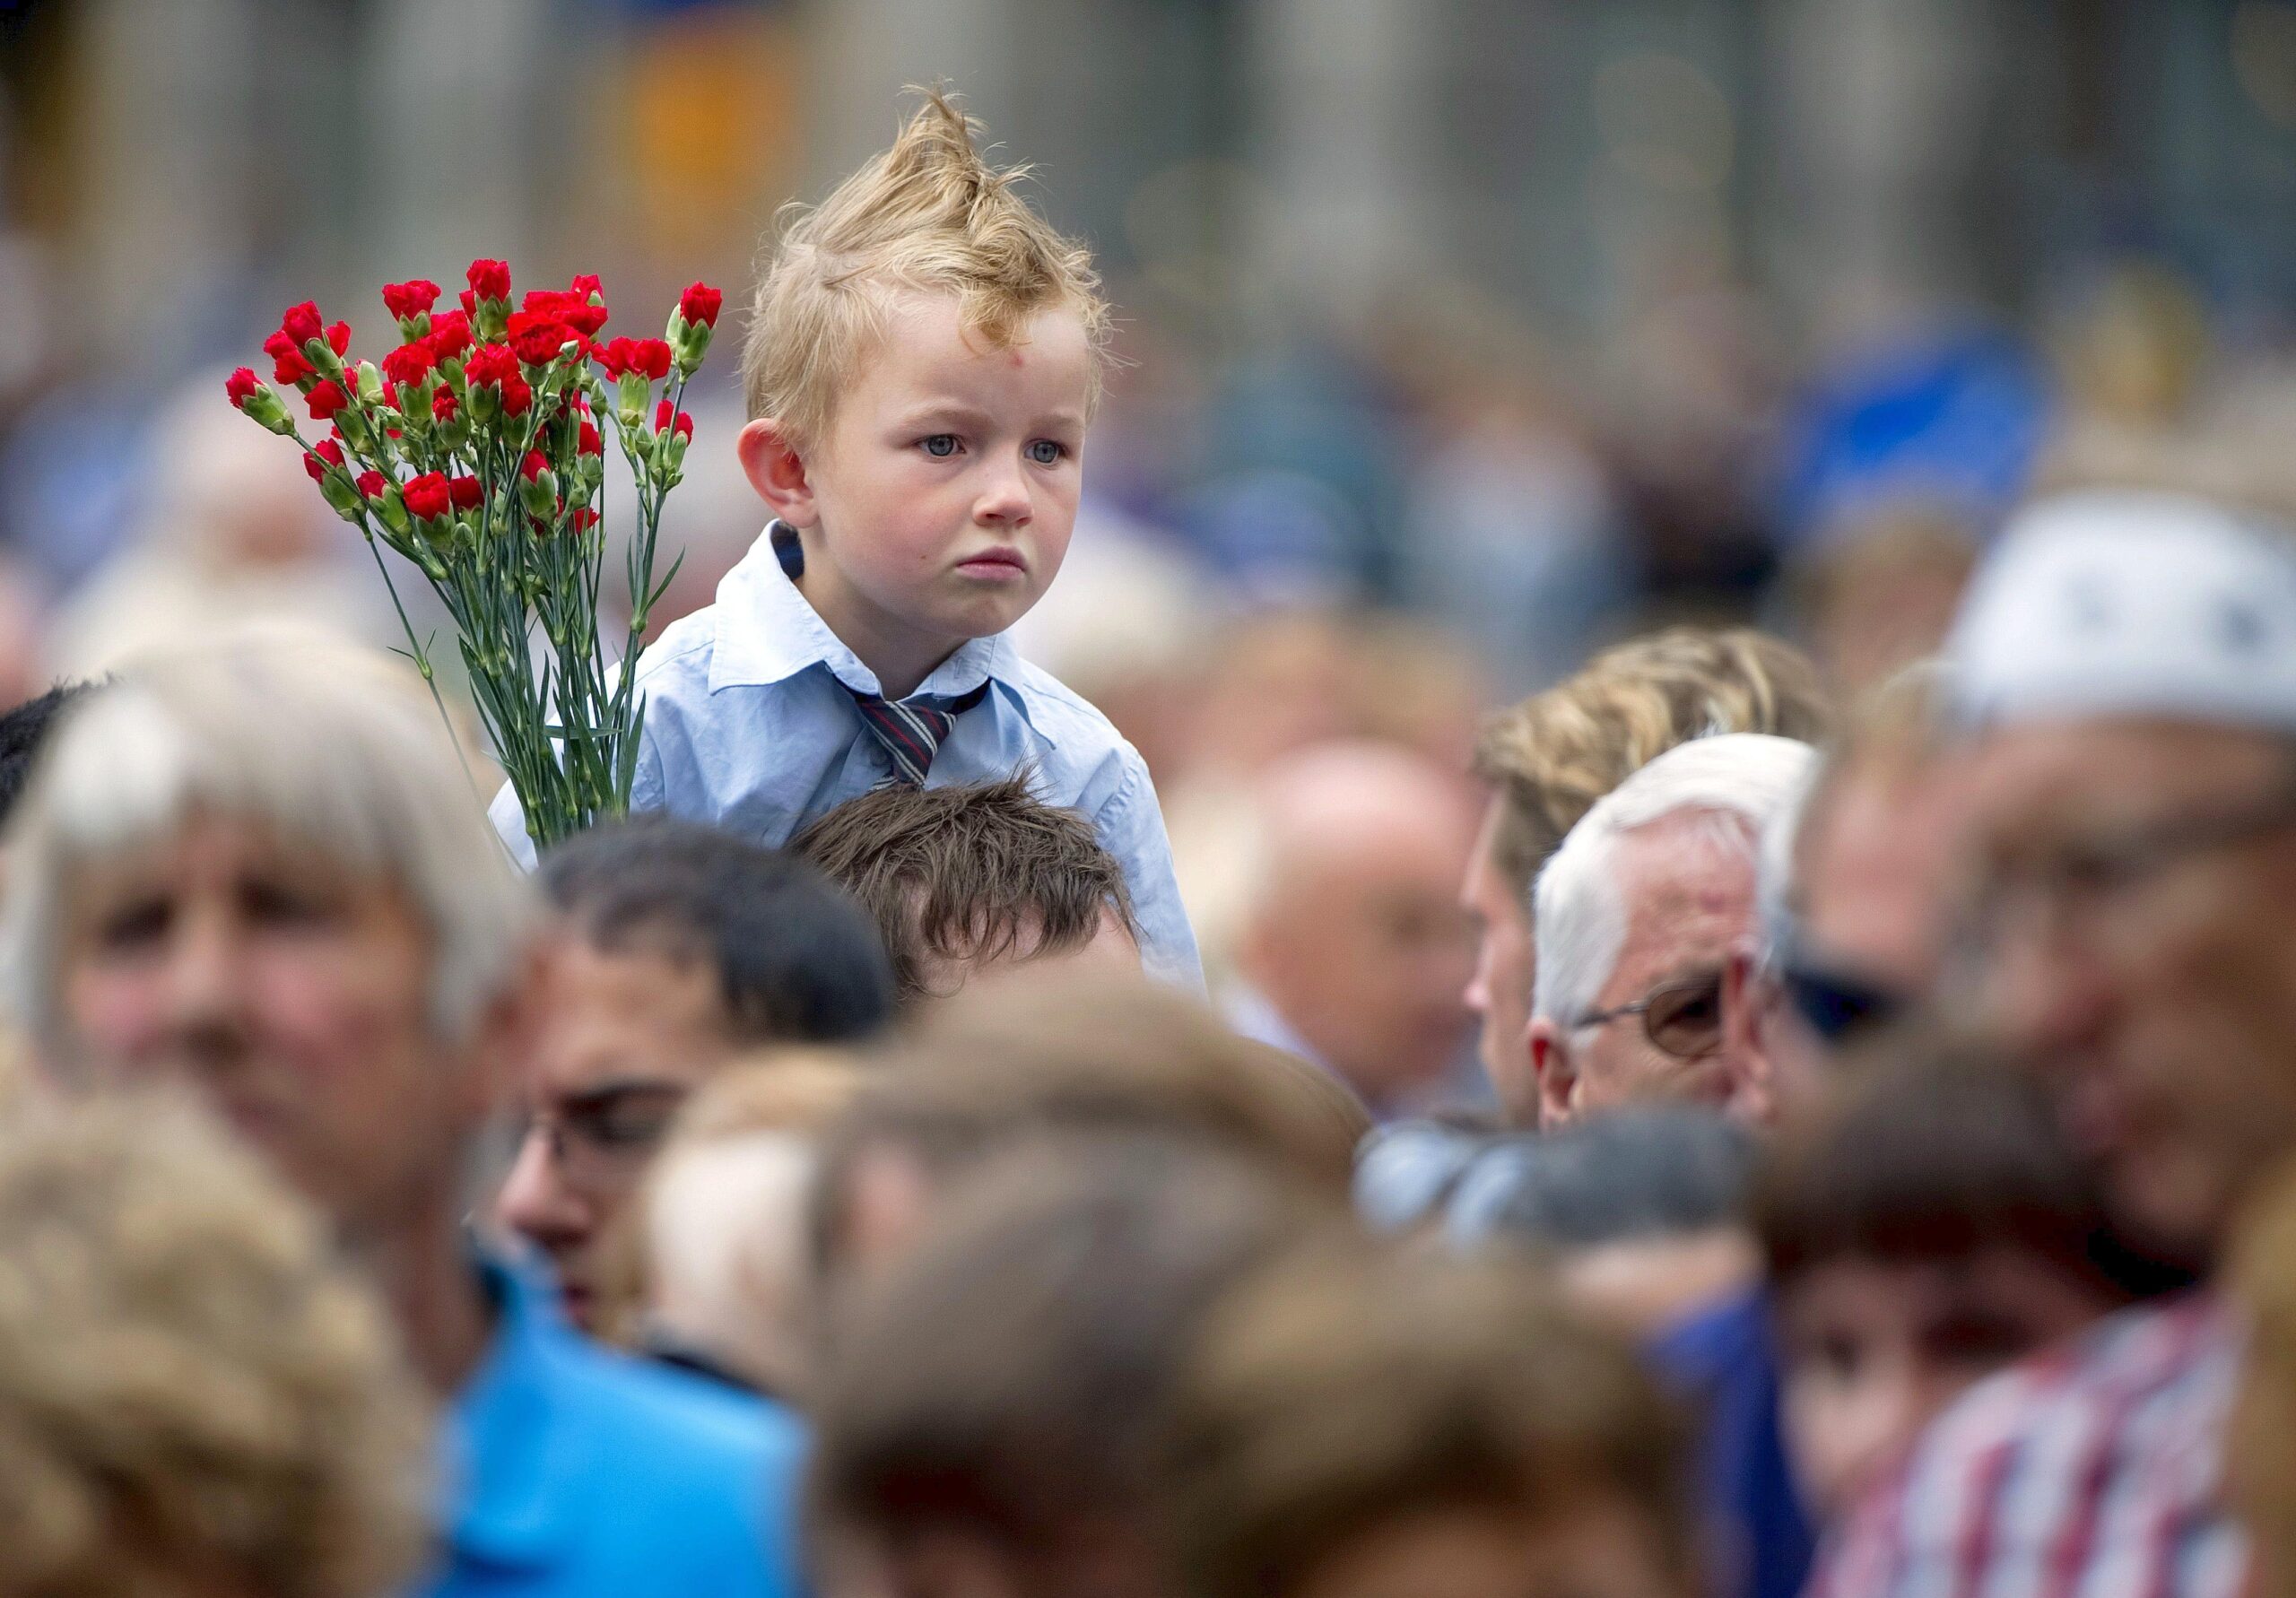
953 410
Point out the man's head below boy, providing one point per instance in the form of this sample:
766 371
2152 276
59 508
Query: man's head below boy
1927 1226
972 883
924 355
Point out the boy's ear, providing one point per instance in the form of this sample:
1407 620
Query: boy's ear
777 472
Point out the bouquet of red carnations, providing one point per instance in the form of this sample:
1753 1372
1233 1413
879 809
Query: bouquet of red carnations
475 450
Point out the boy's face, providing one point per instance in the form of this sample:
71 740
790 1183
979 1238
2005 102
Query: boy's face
942 496
1601 1548
1874 1350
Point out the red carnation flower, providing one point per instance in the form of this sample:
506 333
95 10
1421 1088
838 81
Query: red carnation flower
585 284
410 299
450 334
469 303
338 338
325 400
683 423
464 492
491 280
444 405
406 365
583 520
516 395
701 304
589 442
492 364
301 323
652 357
533 465
287 364
538 337
326 453
566 305
427 495
372 484
241 386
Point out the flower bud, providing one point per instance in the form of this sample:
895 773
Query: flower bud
537 486
257 401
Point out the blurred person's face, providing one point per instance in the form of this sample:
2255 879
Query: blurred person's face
939 506
1498 994
2131 938
292 992
1365 954
1689 900
1874 1350
1109 952
624 1037
1602 1548
1874 867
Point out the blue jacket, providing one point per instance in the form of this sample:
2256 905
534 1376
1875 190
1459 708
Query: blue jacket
571 1471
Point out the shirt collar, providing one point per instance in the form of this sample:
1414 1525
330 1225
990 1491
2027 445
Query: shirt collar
768 633
505 1458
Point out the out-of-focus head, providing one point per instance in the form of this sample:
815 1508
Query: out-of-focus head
196 1398
977 882
713 1269
1551 757
1879 589
1355 1425
1925 1225
2126 671
988 1412
24 733
992 1071
1641 1211
677 947
258 870
1638 916
1355 935
1857 879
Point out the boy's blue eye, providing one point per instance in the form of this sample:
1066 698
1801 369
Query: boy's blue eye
1047 452
940 446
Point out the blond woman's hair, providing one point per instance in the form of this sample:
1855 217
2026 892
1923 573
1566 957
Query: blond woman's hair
194 1395
931 215
1551 756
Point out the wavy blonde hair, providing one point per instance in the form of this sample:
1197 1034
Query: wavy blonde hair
1555 753
194 1396
929 213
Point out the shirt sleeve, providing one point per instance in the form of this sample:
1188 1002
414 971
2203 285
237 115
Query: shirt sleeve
1131 827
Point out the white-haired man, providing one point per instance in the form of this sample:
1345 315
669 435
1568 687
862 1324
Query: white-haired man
2125 678
256 872
1638 916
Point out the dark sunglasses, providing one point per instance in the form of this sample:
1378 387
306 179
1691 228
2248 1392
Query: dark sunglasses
1681 1017
1836 1007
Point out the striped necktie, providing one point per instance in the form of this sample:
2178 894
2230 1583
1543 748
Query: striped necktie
911 731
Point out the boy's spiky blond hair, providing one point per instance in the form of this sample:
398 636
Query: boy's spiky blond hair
929 213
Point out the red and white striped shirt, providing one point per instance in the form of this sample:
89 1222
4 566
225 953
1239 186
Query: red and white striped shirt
2092 1471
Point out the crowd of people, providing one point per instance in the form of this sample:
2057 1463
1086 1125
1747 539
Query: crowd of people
1709 1136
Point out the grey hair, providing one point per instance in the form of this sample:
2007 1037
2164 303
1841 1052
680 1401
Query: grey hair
326 743
1736 781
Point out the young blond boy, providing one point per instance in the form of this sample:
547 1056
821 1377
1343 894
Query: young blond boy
923 357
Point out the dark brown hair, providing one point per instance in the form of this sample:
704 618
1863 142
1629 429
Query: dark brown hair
1345 1388
1552 755
1004 1380
968 872
1934 1149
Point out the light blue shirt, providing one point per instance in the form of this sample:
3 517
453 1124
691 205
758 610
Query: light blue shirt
750 725
572 1472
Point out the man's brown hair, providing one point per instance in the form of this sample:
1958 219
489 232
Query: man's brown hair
1345 1388
1002 1382
1552 755
973 871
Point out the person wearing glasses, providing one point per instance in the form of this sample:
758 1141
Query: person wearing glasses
1855 887
2125 684
1637 916
677 948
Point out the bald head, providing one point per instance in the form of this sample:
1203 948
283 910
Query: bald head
1355 935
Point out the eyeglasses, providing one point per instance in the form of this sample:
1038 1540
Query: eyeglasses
1681 1017
601 1138
2072 881
1836 1006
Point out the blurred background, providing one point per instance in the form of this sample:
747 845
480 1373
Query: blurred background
1460 336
